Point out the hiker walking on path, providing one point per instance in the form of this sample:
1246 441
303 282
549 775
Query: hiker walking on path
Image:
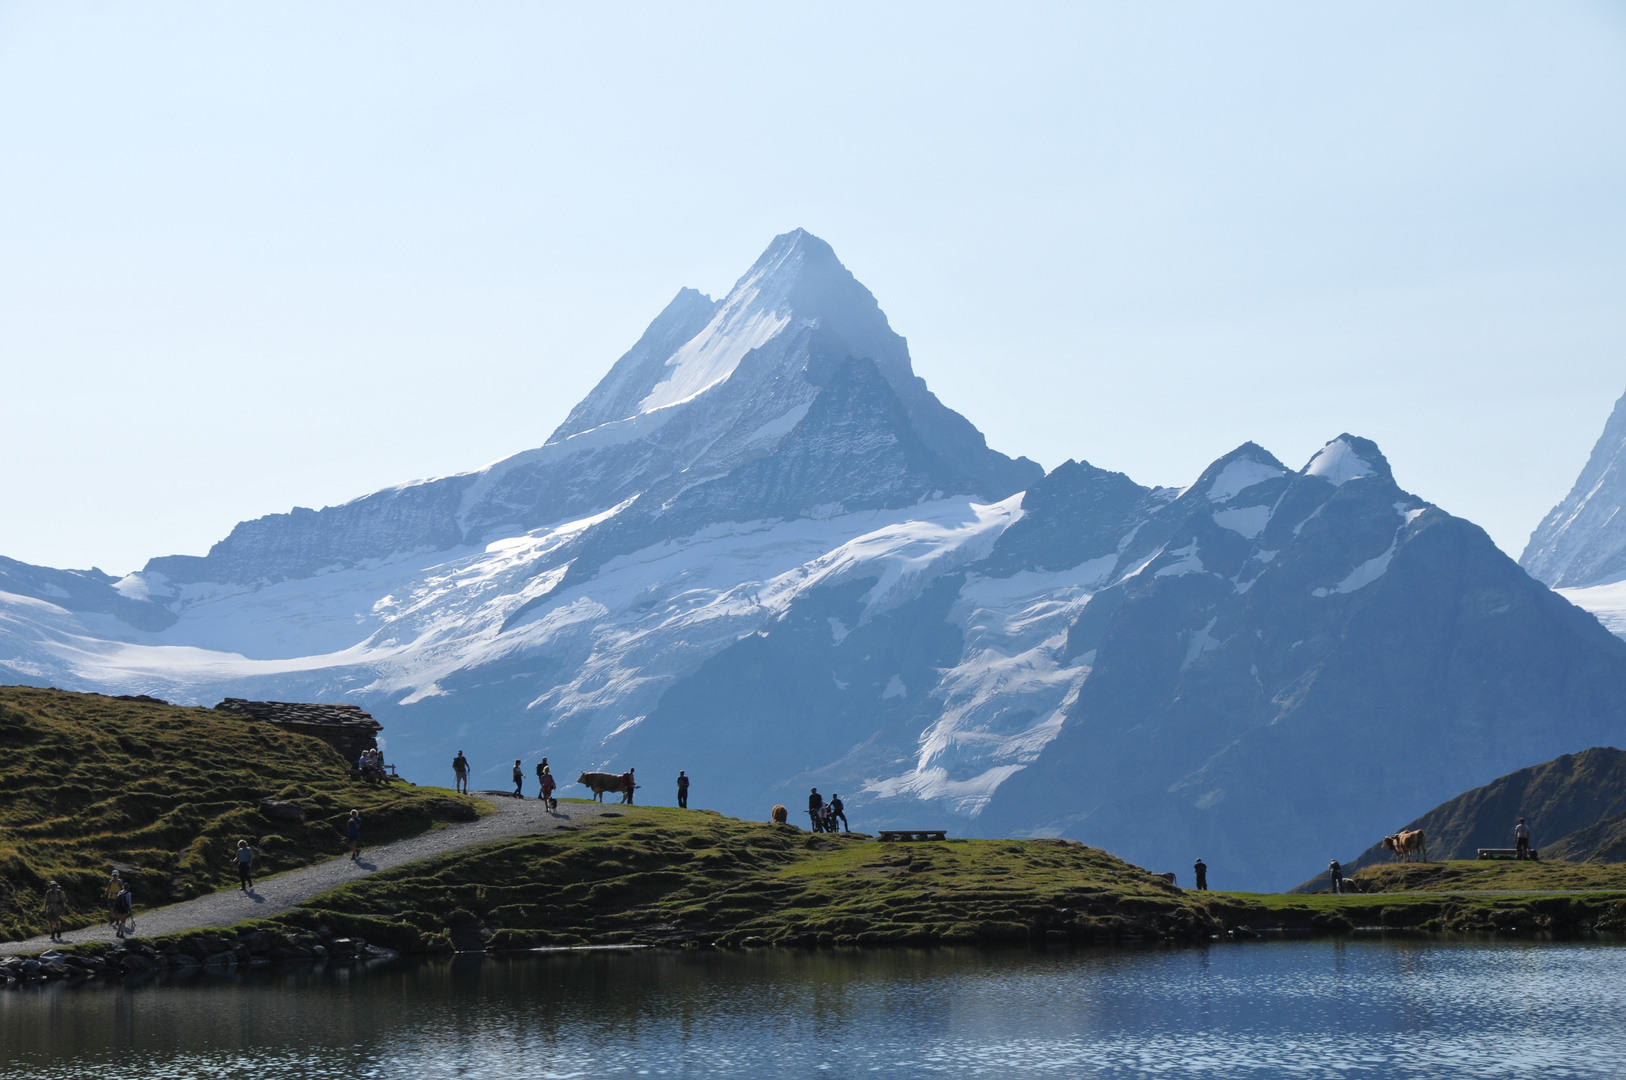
519 779
683 790
629 784
1336 874
838 812
245 859
352 829
114 887
1201 870
815 803
56 905
542 770
123 908
545 781
1521 840
460 768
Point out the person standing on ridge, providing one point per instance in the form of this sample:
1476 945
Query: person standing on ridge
460 768
683 790
1201 870
815 803
352 830
245 859
519 779
545 781
56 905
1335 874
838 812
629 784
1521 840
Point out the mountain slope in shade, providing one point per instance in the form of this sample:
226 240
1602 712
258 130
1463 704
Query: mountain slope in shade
1582 541
1575 806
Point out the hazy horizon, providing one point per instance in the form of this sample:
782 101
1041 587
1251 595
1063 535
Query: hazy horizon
256 258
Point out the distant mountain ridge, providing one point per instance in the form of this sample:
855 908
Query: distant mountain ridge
762 551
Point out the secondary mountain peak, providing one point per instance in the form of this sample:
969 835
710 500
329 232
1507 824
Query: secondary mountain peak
1582 540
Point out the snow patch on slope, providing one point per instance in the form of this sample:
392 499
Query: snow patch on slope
1338 464
1248 521
1238 476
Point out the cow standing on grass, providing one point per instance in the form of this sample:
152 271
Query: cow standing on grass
1408 845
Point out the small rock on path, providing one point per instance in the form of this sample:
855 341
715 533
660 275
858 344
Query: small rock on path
289 889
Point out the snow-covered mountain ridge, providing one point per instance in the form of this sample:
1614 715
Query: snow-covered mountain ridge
761 549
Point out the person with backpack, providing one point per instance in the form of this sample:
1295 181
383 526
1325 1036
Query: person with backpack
56 905
245 859
1335 874
683 790
546 782
352 829
1200 869
114 887
460 769
123 908
519 779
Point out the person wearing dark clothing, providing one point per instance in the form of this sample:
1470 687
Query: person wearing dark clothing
123 908
815 803
460 769
1335 873
838 812
683 790
629 785
1201 870
519 779
1521 840
245 859
352 832
56 904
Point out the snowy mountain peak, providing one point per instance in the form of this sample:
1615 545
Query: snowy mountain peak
1582 541
1346 458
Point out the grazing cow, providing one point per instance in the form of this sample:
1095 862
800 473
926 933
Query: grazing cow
600 782
1408 845
780 815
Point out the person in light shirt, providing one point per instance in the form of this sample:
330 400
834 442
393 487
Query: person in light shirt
1521 840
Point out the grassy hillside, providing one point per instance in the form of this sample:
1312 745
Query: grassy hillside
1475 876
164 793
1575 806
664 876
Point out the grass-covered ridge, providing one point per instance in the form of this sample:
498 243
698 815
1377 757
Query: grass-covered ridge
165 792
1487 875
674 877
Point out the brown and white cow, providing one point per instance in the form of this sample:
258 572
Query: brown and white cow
780 815
600 782
1408 845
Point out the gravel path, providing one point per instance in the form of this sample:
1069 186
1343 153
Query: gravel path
273 895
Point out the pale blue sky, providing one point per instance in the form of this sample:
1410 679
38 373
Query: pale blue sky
254 256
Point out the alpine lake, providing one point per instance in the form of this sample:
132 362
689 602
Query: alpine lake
1380 1006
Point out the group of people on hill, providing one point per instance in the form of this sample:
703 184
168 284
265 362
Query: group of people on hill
371 765
547 785
825 814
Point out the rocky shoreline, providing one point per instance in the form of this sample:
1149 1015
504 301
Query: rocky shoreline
216 951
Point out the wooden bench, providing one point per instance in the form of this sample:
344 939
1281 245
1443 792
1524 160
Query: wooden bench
889 835
1506 853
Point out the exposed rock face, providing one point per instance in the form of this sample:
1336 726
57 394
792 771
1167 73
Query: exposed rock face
710 386
1582 541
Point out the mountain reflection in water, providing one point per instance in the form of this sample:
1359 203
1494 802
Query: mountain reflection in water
1301 1009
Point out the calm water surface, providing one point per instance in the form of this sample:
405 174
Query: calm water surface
1291 1009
